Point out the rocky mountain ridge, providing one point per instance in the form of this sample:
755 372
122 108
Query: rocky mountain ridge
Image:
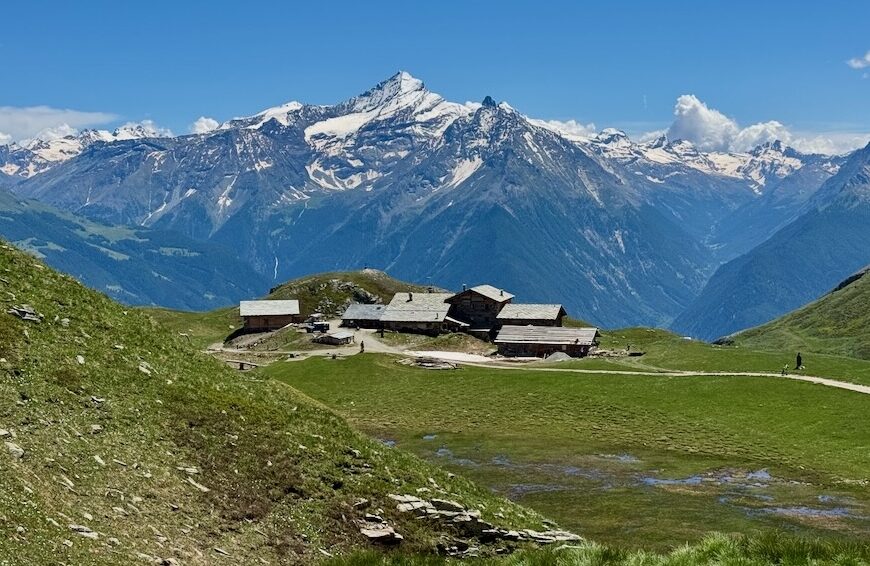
400 179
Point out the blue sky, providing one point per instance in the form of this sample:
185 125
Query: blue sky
612 64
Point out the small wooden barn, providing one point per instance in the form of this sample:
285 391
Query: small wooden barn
338 338
363 316
266 315
541 341
524 314
479 306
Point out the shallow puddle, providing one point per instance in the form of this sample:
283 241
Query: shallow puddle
756 493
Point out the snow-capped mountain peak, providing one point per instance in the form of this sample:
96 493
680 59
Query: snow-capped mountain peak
395 117
282 114
399 90
134 131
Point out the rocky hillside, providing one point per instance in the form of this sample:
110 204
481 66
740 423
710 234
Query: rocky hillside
326 293
838 323
120 444
331 293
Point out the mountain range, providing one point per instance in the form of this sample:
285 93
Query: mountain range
133 264
398 178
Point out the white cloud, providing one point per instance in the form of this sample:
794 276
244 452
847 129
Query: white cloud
22 122
203 125
757 134
860 62
829 143
569 128
651 136
5 138
711 130
707 128
60 131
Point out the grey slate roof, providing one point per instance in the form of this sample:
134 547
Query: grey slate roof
269 308
417 307
358 311
556 335
341 335
493 293
530 311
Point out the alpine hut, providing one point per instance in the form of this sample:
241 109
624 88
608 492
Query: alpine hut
425 313
541 341
524 314
266 315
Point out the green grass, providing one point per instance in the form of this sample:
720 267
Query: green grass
287 339
281 469
764 550
838 323
551 440
203 328
667 351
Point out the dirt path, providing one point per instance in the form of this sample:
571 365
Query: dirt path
372 344
808 378
369 337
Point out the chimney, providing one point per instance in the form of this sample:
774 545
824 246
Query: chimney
501 293
410 297
463 287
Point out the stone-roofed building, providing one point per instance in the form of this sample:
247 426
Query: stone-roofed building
420 312
479 306
523 314
268 315
363 316
541 341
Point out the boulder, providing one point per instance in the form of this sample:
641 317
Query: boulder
25 312
381 534
84 531
15 451
447 505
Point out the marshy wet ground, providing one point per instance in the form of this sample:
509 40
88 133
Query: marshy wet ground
623 487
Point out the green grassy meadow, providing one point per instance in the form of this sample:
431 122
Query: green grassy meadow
639 461
163 455
664 351
837 323
203 329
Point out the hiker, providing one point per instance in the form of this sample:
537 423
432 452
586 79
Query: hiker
785 369
362 347
799 362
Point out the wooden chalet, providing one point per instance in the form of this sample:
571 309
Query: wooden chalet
541 341
420 312
524 314
363 316
479 306
266 315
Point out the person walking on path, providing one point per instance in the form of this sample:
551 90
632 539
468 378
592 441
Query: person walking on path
799 362
362 347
